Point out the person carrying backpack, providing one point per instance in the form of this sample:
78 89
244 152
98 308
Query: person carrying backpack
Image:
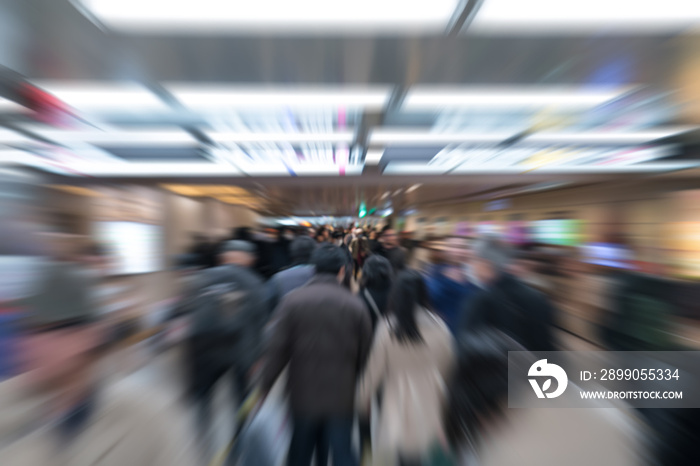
228 313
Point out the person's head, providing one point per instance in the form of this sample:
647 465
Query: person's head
301 250
409 296
372 235
389 238
329 260
479 388
239 252
242 233
377 273
490 260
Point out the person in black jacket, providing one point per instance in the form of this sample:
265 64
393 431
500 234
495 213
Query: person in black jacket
377 276
505 303
228 308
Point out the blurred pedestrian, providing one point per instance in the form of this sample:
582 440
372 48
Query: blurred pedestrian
390 249
62 411
372 241
323 332
505 303
228 312
375 288
448 282
482 430
359 248
298 275
412 357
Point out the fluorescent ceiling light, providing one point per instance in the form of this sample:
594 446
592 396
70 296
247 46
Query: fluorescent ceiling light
92 96
11 137
398 168
373 156
337 137
608 137
213 96
6 106
430 98
123 138
279 16
571 17
413 188
394 136
157 169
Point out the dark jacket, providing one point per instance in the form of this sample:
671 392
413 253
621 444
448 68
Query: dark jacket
380 298
323 332
231 324
288 280
396 257
448 297
514 308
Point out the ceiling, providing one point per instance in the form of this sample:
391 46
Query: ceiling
331 113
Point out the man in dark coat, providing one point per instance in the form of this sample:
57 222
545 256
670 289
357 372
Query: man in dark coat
505 303
229 310
297 275
323 332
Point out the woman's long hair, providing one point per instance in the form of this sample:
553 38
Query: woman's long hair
409 296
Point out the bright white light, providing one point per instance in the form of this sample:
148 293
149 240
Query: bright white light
143 169
608 137
413 137
430 98
7 105
373 156
91 96
11 137
280 16
413 188
420 169
338 137
221 96
123 138
613 16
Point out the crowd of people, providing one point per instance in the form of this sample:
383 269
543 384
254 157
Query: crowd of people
374 342
356 326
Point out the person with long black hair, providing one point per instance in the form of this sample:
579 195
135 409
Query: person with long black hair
412 357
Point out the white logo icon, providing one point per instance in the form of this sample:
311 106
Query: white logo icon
542 369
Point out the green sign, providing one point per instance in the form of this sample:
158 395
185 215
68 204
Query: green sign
363 210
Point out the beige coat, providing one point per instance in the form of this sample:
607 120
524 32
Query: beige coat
414 378
129 427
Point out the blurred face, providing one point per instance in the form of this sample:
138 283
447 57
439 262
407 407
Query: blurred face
52 357
390 239
484 271
457 251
